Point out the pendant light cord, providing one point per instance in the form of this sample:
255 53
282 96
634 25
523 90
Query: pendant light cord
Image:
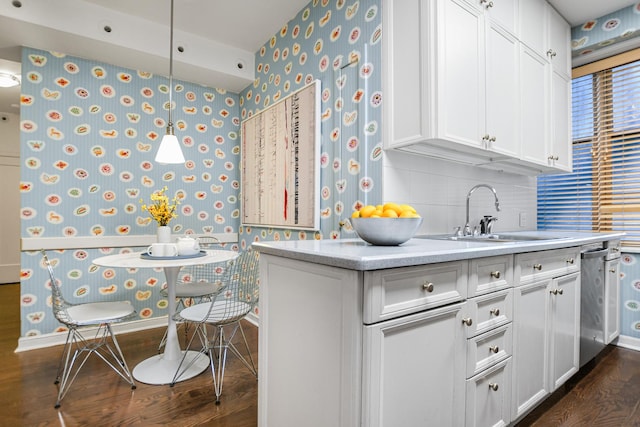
170 124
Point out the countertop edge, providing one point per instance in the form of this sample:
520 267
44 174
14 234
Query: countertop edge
354 254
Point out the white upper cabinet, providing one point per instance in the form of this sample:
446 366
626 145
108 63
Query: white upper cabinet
457 87
545 102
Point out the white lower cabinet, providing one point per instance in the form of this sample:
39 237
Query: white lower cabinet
473 343
564 334
414 370
546 339
612 298
530 366
488 397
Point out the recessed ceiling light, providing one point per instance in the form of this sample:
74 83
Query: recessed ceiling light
9 80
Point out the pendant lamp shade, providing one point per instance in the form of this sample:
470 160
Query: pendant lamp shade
169 150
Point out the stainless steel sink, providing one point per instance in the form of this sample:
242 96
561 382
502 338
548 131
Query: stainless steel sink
493 238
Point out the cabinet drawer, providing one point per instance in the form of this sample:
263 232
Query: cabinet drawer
489 311
400 291
489 397
488 349
490 274
533 266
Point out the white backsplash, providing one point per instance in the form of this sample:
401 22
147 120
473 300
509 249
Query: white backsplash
438 190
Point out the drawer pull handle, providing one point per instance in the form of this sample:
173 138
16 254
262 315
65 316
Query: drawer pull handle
495 274
494 349
493 386
468 321
495 311
613 270
570 261
557 292
537 267
615 249
427 286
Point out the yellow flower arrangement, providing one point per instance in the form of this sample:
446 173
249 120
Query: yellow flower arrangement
160 209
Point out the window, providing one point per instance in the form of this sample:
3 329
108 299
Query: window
603 191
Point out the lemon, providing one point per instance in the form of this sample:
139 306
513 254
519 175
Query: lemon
367 211
355 214
390 213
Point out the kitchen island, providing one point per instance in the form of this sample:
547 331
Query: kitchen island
432 332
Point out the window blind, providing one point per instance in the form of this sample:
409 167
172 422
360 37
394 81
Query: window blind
603 191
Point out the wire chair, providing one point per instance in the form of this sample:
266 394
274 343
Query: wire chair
196 284
77 348
238 298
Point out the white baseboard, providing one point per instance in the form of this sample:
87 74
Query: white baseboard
628 342
58 338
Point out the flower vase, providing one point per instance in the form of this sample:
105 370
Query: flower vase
164 234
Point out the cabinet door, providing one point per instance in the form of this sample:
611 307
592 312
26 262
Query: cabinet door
564 307
489 397
534 101
612 301
533 25
414 370
502 92
559 43
561 149
404 58
462 74
530 366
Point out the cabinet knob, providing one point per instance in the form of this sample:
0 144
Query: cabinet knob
488 5
537 267
571 261
553 158
495 311
468 321
495 274
551 53
427 286
493 386
557 292
492 139
486 137
615 249
613 270
494 349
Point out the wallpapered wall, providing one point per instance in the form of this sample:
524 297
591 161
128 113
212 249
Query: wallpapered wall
320 43
630 295
89 132
597 34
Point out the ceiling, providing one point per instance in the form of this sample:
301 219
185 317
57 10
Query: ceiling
219 37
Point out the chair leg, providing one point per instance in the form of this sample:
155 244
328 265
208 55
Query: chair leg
82 349
222 343
200 331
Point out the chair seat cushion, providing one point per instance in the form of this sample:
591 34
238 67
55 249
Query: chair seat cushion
222 312
94 313
196 289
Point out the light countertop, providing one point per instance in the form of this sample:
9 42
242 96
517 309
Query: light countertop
355 254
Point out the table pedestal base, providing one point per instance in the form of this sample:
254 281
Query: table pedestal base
157 370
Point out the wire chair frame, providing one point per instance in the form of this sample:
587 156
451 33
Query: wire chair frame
237 299
196 284
77 347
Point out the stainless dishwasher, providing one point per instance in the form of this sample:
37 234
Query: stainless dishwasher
592 301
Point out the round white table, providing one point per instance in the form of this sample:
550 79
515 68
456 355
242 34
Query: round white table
161 368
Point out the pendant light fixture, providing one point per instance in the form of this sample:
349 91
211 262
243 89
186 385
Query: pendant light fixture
9 80
169 150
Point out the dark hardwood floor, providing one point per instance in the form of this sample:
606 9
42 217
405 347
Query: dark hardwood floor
100 398
605 393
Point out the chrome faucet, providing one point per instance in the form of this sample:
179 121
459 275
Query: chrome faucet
467 228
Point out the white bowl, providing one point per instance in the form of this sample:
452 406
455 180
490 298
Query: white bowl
386 231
